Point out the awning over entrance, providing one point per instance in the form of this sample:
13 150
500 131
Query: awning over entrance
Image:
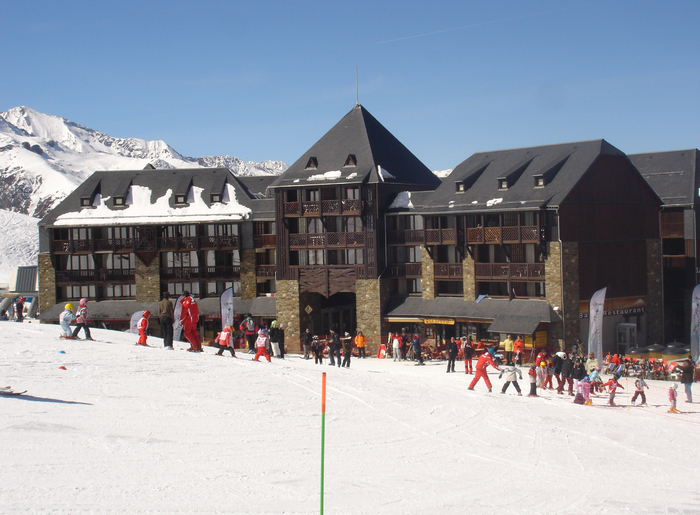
516 316
123 309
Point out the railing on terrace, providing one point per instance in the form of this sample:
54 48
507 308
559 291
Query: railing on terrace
672 230
441 236
403 237
218 242
85 276
315 207
266 270
264 241
405 270
516 234
331 239
448 271
71 246
177 243
505 271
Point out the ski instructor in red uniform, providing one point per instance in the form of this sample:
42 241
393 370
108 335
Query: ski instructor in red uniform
189 316
484 361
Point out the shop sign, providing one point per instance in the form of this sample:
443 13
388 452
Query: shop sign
439 321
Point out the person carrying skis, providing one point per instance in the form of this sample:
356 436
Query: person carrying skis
639 385
225 341
65 318
261 345
189 316
142 326
484 361
81 320
512 373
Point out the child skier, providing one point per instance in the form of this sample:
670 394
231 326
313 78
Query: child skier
65 319
596 382
533 381
81 320
548 377
512 373
639 385
142 326
541 373
586 390
613 385
672 396
261 345
225 341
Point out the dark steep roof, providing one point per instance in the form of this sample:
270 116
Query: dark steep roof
560 167
673 175
356 147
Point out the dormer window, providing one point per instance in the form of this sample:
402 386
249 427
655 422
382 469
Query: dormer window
215 197
85 202
539 181
312 163
118 201
181 199
502 184
459 187
351 160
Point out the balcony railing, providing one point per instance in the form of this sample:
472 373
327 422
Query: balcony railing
218 242
411 270
177 243
326 207
448 271
266 270
262 241
441 236
504 271
672 230
71 246
414 236
115 245
330 239
492 235
95 276
196 272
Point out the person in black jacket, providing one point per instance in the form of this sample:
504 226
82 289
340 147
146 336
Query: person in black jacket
579 372
687 377
347 350
317 349
334 348
281 341
467 352
558 361
452 351
567 370
306 342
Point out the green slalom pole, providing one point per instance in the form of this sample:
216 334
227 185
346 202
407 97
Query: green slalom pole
323 431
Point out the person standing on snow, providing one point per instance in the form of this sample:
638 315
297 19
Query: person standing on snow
396 346
417 349
484 361
189 316
225 341
468 352
613 385
512 373
360 342
687 377
532 374
19 309
508 347
639 385
167 318
261 345
81 320
317 349
672 396
142 326
452 351
519 349
334 347
250 329
347 350
567 369
275 339
65 318
306 341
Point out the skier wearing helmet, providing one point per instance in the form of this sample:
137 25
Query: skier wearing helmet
142 326
65 318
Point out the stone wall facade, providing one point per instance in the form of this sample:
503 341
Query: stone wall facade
47 282
147 278
371 296
562 291
427 273
469 285
249 286
288 311
654 307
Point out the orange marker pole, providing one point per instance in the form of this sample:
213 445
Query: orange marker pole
323 431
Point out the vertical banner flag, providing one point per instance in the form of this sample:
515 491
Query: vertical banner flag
177 328
133 328
695 324
226 308
595 324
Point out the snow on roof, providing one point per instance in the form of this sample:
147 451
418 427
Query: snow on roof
332 175
140 209
403 199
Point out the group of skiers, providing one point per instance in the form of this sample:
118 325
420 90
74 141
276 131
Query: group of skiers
16 310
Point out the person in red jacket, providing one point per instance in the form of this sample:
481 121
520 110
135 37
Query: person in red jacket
484 361
189 316
225 341
142 326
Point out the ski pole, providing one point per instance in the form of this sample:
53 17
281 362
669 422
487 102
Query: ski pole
323 431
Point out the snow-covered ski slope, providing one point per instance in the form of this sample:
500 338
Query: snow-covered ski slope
126 429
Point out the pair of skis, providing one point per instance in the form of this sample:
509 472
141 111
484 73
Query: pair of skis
7 390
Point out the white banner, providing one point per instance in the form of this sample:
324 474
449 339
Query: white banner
177 327
135 322
595 324
695 323
226 308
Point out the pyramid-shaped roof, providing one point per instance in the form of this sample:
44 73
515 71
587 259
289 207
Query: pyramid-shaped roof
358 149
674 175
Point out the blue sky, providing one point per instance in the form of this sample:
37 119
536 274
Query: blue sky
266 79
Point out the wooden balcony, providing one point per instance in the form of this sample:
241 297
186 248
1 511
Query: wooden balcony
448 271
206 273
71 246
229 242
177 243
672 229
411 270
498 235
327 239
504 271
325 207
115 245
265 241
94 276
267 271
441 236
413 236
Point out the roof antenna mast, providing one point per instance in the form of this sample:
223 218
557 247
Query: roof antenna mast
357 89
